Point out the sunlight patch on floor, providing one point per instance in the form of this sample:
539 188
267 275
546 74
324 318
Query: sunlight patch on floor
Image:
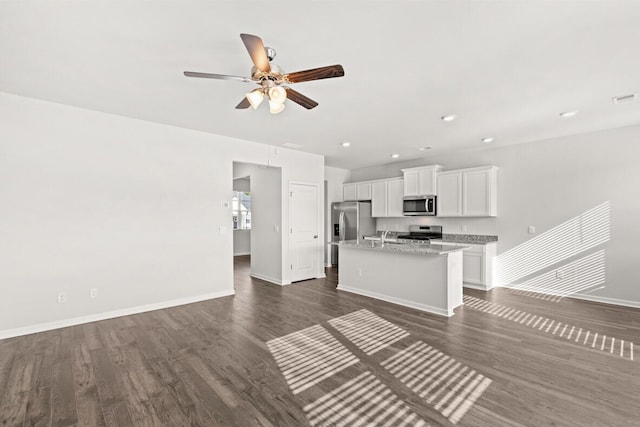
363 400
309 356
612 345
370 333
438 379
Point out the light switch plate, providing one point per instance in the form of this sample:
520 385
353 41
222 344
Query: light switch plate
532 229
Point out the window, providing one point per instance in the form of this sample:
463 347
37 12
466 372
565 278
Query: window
241 205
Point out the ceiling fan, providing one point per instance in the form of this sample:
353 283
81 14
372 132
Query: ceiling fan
271 78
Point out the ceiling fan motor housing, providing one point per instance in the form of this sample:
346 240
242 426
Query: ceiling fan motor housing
274 74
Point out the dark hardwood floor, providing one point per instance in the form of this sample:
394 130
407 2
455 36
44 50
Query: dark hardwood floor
307 354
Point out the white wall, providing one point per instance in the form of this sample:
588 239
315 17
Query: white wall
241 242
333 178
241 238
133 208
547 183
266 222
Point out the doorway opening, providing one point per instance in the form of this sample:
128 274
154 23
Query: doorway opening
257 220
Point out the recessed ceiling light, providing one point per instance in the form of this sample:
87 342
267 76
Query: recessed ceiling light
425 148
624 98
346 144
487 139
568 113
449 117
395 156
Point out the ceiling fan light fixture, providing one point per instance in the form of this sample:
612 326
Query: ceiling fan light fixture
275 107
255 97
277 94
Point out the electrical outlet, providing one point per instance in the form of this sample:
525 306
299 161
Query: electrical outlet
62 297
359 272
225 204
531 229
93 293
463 228
559 274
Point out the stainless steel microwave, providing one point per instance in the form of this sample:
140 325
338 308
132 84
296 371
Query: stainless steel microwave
419 205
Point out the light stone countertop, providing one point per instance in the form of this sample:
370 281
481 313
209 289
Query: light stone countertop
476 239
406 248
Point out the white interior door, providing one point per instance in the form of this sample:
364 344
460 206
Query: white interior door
303 238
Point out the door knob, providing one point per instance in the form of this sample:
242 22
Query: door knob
315 237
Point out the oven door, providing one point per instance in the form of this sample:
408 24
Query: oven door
415 206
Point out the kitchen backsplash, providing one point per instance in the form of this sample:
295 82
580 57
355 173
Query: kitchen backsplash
449 225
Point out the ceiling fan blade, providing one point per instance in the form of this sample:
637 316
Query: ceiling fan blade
314 74
216 76
243 104
255 47
300 99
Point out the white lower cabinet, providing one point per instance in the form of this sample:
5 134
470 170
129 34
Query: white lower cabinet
386 198
472 268
477 264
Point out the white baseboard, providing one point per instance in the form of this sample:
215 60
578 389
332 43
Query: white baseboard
474 286
41 327
268 279
605 300
399 301
594 298
242 253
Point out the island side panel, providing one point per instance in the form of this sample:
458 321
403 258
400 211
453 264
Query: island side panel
417 281
454 286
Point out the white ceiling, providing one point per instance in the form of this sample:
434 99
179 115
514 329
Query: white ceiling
506 69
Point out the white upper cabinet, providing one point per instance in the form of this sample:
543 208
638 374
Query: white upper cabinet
363 190
356 191
449 201
395 194
479 188
420 181
468 192
379 199
386 198
349 192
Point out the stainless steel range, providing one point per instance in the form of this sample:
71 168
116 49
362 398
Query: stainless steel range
422 233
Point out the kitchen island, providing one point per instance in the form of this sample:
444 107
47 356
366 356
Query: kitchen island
426 277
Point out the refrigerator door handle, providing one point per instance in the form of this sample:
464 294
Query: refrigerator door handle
341 226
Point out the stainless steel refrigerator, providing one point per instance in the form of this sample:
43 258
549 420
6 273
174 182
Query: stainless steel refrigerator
350 221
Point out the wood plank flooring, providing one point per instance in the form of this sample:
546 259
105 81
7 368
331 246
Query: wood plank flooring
214 363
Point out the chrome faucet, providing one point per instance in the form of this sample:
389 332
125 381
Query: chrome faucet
383 237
